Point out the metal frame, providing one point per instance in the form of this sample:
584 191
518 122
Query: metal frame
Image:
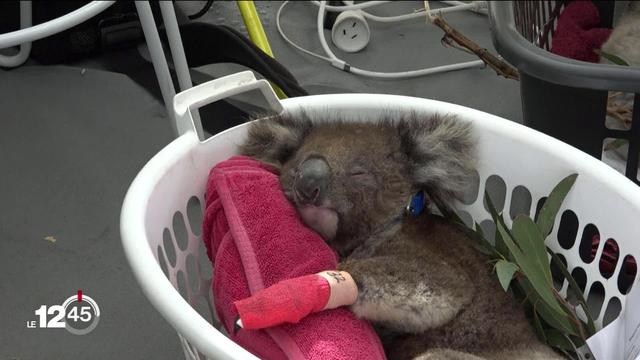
25 48
28 34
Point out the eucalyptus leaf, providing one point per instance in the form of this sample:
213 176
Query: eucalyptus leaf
528 236
591 327
454 215
480 232
551 317
483 248
577 341
549 210
497 218
505 270
483 245
538 327
534 274
491 206
555 320
557 339
577 324
501 247
613 58
522 249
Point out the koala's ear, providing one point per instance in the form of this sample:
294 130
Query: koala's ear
440 150
275 139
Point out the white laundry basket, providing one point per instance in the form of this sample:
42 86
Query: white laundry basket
161 216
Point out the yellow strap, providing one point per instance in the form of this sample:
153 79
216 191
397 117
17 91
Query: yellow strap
256 33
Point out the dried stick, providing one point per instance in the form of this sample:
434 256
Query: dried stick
451 34
499 66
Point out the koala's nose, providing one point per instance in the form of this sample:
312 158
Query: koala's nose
311 180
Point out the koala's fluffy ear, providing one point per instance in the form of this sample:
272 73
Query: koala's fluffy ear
440 150
274 139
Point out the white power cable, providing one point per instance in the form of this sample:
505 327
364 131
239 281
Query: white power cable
359 6
482 10
417 73
342 65
477 6
286 38
473 6
323 40
421 13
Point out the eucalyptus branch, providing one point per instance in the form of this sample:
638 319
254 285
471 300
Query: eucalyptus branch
573 317
573 285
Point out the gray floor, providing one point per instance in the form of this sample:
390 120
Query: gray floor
72 141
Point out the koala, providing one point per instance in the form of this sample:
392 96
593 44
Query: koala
423 285
624 40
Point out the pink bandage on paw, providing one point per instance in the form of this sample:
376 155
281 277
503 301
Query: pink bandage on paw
287 301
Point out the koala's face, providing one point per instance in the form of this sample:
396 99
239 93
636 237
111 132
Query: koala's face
350 180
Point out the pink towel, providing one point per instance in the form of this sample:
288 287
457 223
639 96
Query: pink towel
255 238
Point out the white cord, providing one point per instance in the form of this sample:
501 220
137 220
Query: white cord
482 10
359 6
417 73
477 6
388 19
320 28
291 42
421 13
342 65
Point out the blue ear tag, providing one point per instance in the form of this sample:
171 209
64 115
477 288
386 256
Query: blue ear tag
416 205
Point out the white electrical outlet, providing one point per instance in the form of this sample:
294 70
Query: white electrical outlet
350 31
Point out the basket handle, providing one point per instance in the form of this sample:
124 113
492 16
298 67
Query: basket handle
214 90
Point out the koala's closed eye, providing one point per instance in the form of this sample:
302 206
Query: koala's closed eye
361 175
358 171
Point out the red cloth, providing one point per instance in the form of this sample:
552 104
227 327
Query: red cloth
255 238
609 258
288 301
577 35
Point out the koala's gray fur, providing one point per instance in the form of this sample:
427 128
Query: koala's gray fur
421 282
624 40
